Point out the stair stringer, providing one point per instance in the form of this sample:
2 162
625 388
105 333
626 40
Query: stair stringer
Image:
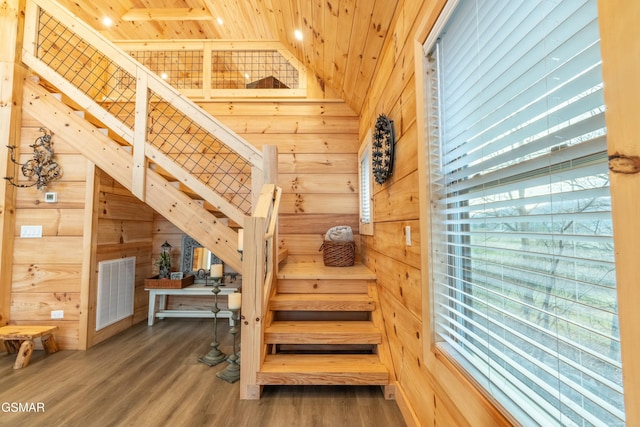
160 194
383 349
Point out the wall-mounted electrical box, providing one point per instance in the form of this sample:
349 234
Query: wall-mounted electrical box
50 197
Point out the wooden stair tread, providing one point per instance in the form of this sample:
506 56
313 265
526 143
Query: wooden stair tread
322 302
317 270
322 332
325 369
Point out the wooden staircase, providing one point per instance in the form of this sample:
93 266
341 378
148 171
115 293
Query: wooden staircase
324 327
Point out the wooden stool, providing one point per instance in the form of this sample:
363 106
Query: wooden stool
19 339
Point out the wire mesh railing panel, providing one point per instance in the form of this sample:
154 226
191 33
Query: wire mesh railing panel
181 69
86 68
200 153
252 69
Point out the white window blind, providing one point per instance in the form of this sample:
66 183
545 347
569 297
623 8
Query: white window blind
522 260
365 190
365 177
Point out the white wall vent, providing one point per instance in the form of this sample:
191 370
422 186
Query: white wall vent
116 283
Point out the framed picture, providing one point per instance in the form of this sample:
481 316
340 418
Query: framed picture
177 275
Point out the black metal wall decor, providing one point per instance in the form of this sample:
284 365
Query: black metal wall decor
384 140
42 167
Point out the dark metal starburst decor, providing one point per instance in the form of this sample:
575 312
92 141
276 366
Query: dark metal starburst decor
42 167
384 140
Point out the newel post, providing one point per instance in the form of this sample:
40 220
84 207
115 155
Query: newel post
251 320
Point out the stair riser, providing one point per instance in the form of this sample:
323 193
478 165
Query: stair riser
322 286
320 338
327 349
320 306
338 316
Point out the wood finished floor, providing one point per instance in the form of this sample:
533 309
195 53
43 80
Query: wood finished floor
150 376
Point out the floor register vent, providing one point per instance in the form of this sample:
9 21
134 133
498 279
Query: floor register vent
116 283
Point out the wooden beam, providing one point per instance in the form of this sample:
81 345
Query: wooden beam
140 136
252 340
11 28
620 49
167 14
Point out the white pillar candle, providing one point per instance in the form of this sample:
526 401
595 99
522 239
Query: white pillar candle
216 271
235 301
241 240
206 259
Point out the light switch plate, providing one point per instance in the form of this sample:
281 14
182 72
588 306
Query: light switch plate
30 231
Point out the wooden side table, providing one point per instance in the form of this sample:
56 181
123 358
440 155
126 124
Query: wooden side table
193 290
19 339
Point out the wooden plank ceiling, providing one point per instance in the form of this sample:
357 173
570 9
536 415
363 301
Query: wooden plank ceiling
342 39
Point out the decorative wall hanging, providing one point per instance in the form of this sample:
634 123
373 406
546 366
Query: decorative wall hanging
384 140
42 167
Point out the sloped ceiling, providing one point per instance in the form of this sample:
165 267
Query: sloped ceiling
342 39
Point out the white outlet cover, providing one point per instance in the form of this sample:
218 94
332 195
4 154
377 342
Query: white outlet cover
50 197
57 314
30 231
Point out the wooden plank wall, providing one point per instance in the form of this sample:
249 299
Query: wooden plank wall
317 163
47 271
11 73
429 391
124 229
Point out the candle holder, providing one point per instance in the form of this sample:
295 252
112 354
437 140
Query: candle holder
231 373
214 356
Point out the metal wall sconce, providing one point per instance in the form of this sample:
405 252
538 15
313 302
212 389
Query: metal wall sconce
42 166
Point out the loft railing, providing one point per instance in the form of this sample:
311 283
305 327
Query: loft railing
203 69
163 126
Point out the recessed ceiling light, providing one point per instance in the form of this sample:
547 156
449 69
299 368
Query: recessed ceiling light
220 21
297 34
164 76
107 22
246 76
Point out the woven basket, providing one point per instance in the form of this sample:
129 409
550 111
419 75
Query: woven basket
338 254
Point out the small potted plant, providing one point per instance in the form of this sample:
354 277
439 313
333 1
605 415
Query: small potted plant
164 263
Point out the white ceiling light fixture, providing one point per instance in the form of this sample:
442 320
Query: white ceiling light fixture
164 76
220 21
107 22
298 35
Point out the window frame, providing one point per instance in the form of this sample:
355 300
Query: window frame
364 153
438 355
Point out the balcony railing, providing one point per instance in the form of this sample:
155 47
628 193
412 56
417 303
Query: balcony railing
205 69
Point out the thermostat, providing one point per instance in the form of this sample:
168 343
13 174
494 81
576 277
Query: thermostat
50 197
